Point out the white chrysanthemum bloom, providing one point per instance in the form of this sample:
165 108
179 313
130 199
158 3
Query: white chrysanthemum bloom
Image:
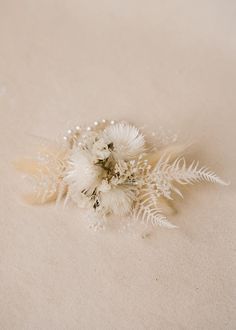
127 140
82 174
117 200
100 149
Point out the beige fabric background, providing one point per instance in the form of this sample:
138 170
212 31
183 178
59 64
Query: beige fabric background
160 63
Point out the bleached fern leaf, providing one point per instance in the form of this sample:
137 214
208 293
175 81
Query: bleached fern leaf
148 211
179 171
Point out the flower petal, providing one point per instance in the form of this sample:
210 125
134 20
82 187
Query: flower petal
127 140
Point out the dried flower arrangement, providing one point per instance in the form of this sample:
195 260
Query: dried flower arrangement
110 169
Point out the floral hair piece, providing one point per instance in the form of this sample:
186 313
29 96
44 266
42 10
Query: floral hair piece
114 171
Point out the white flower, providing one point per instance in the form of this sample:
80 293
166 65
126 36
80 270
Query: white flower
127 140
118 201
100 149
82 174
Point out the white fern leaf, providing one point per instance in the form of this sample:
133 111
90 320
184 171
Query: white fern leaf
148 211
179 171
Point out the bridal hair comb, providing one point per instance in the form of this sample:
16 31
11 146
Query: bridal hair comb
114 171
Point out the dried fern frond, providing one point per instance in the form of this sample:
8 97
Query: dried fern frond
160 183
147 210
182 173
